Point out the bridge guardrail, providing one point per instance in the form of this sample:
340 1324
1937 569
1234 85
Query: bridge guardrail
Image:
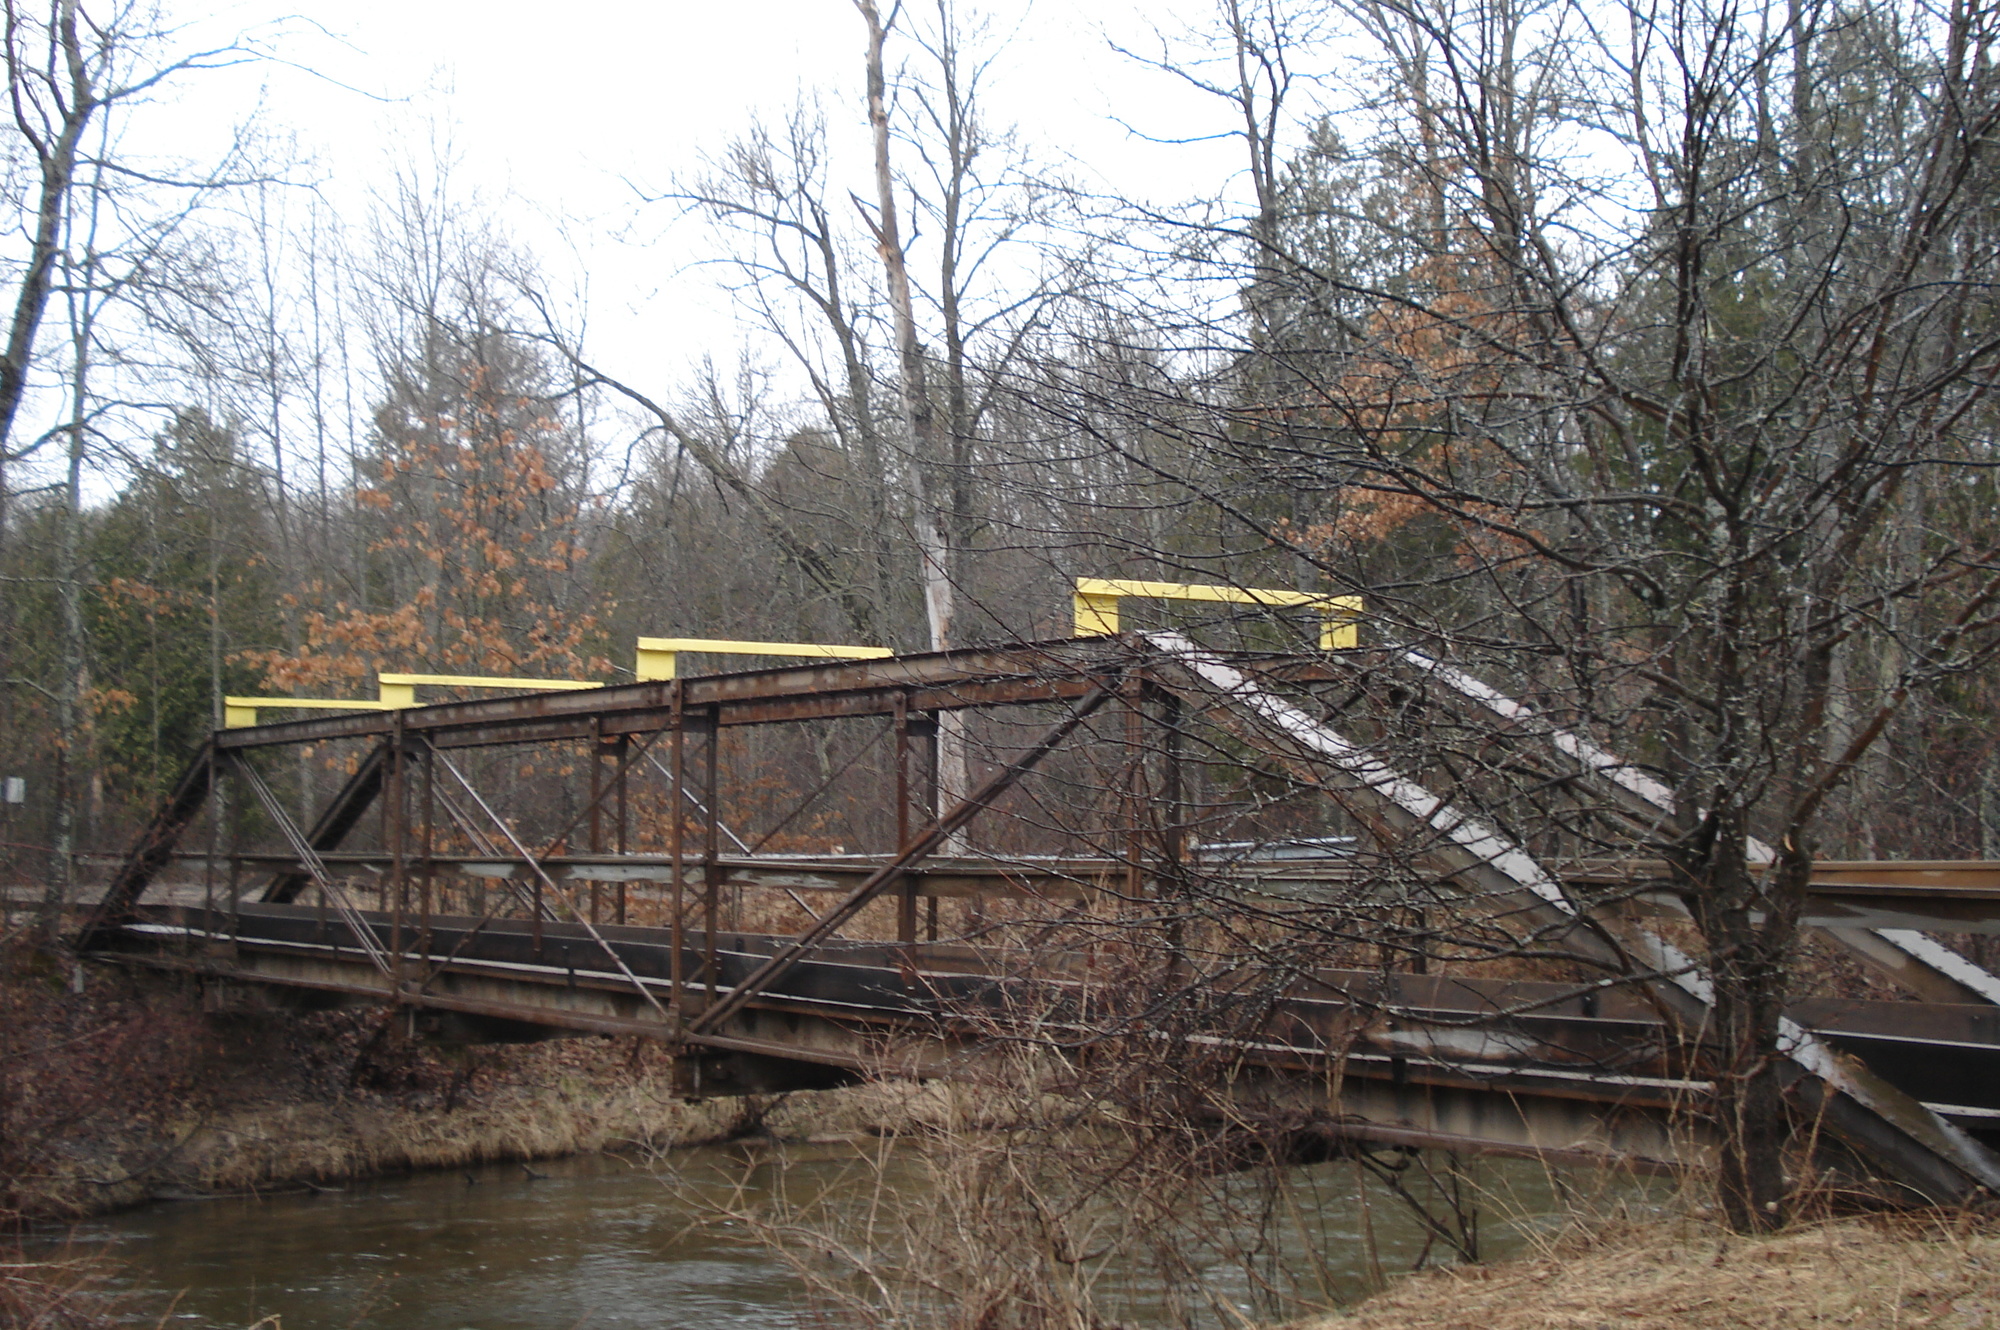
1095 605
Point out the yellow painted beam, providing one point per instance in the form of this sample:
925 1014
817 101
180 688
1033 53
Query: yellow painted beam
241 712
401 689
1096 605
394 693
659 657
1094 611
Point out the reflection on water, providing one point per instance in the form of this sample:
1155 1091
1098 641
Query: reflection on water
601 1243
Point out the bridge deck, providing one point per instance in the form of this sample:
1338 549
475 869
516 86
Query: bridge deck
864 1006
1951 896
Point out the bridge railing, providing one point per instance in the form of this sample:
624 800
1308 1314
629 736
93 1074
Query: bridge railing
1095 605
394 692
659 657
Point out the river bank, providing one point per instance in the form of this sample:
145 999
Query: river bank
118 1089
1681 1273
601 1243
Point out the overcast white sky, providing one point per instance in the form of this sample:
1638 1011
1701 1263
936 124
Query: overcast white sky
555 111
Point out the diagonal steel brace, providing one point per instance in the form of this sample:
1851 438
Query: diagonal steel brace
155 847
316 868
921 848
555 888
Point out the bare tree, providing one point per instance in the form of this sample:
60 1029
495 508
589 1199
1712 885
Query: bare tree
769 196
68 69
103 234
1641 440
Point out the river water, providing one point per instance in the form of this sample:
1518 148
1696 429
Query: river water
605 1243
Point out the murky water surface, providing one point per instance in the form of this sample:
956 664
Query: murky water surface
603 1243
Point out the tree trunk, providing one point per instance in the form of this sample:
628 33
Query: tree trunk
1749 925
918 419
55 146
59 886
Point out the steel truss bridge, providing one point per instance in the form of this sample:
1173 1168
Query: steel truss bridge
1365 986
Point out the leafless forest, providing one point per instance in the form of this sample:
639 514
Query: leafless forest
1637 358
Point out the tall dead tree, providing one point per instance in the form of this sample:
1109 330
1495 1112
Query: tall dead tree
919 419
769 198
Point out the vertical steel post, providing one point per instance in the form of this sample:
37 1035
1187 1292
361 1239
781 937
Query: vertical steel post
429 845
711 869
906 903
1173 788
235 837
539 909
676 843
1171 872
1134 795
596 809
395 808
622 757
384 802
596 784
214 844
933 793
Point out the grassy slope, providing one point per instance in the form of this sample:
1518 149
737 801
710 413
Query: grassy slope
1686 1275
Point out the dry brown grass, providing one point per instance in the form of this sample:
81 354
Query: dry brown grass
599 1103
544 1102
128 1090
63 1293
1687 1275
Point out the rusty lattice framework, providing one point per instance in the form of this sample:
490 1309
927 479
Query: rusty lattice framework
1352 886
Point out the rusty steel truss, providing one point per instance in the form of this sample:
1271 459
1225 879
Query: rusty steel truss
613 902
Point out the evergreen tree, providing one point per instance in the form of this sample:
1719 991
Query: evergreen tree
181 588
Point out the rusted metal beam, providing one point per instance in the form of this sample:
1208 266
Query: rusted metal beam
950 680
886 876
1832 877
156 845
337 819
332 891
1899 1136
1512 1041
1640 803
1934 896
588 925
1931 980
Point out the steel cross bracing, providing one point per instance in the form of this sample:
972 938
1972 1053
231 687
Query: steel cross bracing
1905 955
1874 1116
693 983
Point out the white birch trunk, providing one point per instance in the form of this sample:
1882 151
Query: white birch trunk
918 421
